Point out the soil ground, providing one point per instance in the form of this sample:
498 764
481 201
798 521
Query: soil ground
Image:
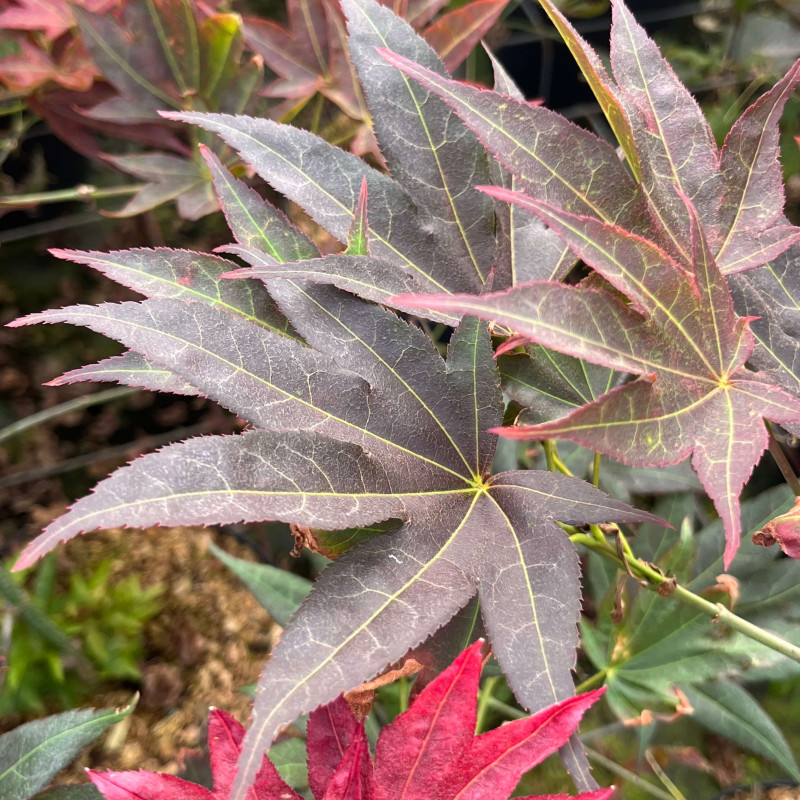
210 640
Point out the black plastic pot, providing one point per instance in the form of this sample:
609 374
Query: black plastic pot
731 793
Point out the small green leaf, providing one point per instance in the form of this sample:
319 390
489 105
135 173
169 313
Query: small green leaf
358 236
279 591
32 754
290 759
221 46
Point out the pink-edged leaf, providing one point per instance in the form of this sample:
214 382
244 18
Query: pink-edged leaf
497 760
225 737
167 273
436 564
416 755
456 34
560 317
603 88
675 143
698 398
594 182
331 729
358 235
753 193
353 779
146 786
436 160
526 249
129 369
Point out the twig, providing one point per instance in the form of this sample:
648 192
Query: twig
83 192
776 451
654 579
627 775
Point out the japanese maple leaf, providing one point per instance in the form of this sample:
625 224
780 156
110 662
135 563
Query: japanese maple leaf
364 422
310 54
430 752
680 334
664 237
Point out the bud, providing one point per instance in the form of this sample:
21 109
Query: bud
785 530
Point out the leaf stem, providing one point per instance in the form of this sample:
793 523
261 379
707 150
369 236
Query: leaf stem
776 451
402 691
596 470
484 702
83 192
554 462
591 682
627 775
655 579
663 777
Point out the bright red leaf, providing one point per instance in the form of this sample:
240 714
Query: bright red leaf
225 736
430 752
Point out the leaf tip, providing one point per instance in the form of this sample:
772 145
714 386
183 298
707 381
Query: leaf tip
26 559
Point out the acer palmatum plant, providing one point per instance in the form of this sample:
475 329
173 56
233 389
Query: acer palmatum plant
310 57
664 231
98 71
358 419
429 752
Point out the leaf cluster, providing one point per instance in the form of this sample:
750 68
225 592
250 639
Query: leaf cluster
98 71
661 235
430 751
106 619
662 657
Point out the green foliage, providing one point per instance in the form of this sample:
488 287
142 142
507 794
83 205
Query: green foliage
102 623
32 754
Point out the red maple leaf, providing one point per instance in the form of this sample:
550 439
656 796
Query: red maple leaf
430 752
